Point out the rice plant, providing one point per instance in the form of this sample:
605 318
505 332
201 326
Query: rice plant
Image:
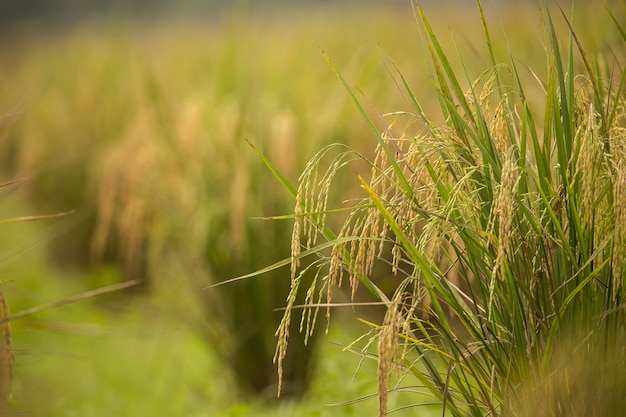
504 225
7 356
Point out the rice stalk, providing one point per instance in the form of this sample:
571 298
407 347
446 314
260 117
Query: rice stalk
619 234
7 356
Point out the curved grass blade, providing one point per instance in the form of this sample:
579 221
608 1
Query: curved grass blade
392 160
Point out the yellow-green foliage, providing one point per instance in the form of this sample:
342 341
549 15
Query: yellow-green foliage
141 130
177 103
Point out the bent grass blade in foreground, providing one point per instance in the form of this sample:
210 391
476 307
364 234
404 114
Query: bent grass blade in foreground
7 354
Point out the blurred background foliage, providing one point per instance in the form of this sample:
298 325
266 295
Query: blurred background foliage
138 126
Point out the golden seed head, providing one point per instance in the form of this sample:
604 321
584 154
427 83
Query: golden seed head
619 233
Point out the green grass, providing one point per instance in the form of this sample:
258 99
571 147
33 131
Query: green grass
132 355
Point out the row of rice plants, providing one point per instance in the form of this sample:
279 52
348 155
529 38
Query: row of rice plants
142 133
502 218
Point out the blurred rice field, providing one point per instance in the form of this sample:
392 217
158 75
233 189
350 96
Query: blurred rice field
139 128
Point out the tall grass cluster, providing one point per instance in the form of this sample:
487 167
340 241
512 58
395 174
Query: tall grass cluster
501 219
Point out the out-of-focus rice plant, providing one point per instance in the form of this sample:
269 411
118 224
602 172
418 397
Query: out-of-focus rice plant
142 132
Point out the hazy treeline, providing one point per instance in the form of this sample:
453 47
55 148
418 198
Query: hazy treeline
15 10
